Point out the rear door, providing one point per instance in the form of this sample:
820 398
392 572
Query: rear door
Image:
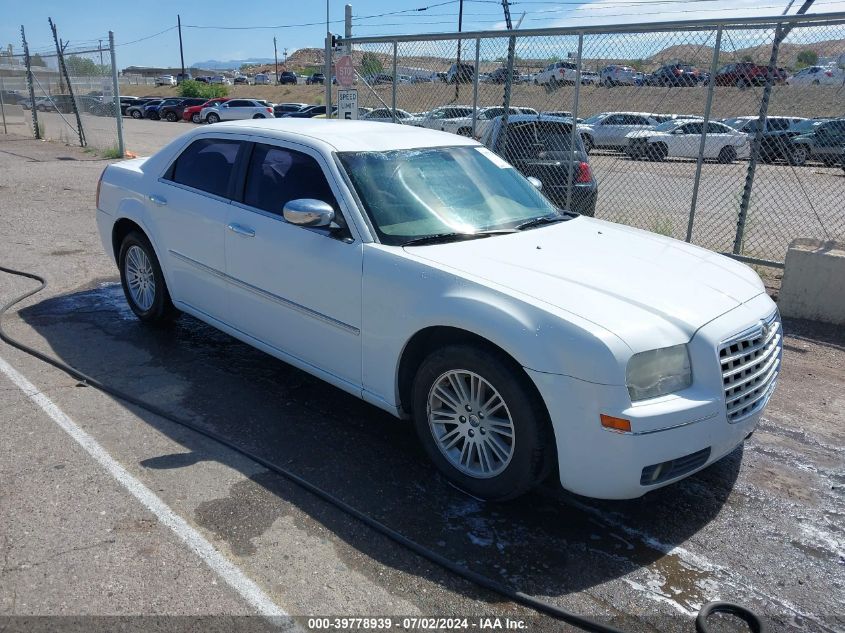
190 204
295 288
237 109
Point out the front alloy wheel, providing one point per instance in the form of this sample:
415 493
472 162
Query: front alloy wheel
471 424
481 421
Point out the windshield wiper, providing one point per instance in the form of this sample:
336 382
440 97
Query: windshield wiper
543 219
440 238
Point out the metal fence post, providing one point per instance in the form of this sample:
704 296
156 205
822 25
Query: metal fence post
714 64
28 63
574 141
327 71
116 89
395 81
64 73
475 84
3 106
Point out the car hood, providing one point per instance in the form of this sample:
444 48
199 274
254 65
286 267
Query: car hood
640 286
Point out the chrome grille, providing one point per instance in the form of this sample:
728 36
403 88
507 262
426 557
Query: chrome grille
750 367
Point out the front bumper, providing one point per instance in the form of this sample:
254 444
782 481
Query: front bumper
673 429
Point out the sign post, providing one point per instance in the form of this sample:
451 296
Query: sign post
347 104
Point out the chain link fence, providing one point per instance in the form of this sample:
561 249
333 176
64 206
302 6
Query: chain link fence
70 95
668 115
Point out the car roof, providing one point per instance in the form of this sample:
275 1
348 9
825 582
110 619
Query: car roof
346 136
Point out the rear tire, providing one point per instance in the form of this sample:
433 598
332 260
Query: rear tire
657 152
481 423
727 155
258 116
136 115
195 117
798 156
143 282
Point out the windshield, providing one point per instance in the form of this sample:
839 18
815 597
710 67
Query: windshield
805 126
594 119
415 193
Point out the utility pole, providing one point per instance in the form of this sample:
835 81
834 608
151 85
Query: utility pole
276 58
458 73
509 76
181 53
100 46
327 73
347 27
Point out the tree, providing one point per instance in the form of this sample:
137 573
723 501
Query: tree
371 64
807 58
84 67
747 58
192 88
36 60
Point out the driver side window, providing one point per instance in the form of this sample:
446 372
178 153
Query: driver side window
277 175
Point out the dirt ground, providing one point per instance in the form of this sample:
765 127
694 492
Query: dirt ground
764 526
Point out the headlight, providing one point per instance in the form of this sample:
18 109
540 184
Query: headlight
658 372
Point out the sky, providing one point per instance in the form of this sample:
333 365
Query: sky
301 23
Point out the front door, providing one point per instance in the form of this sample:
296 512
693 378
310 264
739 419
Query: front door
295 288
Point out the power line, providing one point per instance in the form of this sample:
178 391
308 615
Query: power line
148 37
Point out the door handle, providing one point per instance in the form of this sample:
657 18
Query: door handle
158 200
241 230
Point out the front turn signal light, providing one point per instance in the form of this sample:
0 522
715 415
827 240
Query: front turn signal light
620 425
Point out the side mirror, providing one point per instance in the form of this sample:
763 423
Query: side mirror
538 185
308 212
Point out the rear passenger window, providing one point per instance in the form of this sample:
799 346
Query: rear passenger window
277 175
206 165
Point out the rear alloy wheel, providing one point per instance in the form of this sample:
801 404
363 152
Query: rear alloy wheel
657 151
727 155
142 280
213 118
480 423
136 114
258 116
171 116
195 117
798 156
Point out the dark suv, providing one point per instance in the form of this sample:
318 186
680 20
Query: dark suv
173 111
287 77
826 142
678 75
316 78
742 75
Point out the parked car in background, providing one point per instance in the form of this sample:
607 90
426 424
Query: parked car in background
287 78
639 78
151 110
236 109
315 79
262 79
500 76
682 139
557 73
203 80
775 143
541 147
617 75
483 117
564 114
376 79
165 80
610 130
460 74
385 115
818 75
173 112
220 80
742 75
441 118
136 111
11 97
662 118
307 112
183 77
676 75
589 78
283 108
240 80
192 113
824 142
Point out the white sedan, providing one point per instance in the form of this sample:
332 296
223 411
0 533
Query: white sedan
818 75
680 138
236 109
422 273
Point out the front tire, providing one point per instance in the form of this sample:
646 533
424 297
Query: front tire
798 156
657 152
171 117
481 423
212 118
727 155
136 115
195 117
143 282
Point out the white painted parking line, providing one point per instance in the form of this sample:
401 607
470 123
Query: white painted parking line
224 568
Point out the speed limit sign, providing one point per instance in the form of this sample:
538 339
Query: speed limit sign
347 104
